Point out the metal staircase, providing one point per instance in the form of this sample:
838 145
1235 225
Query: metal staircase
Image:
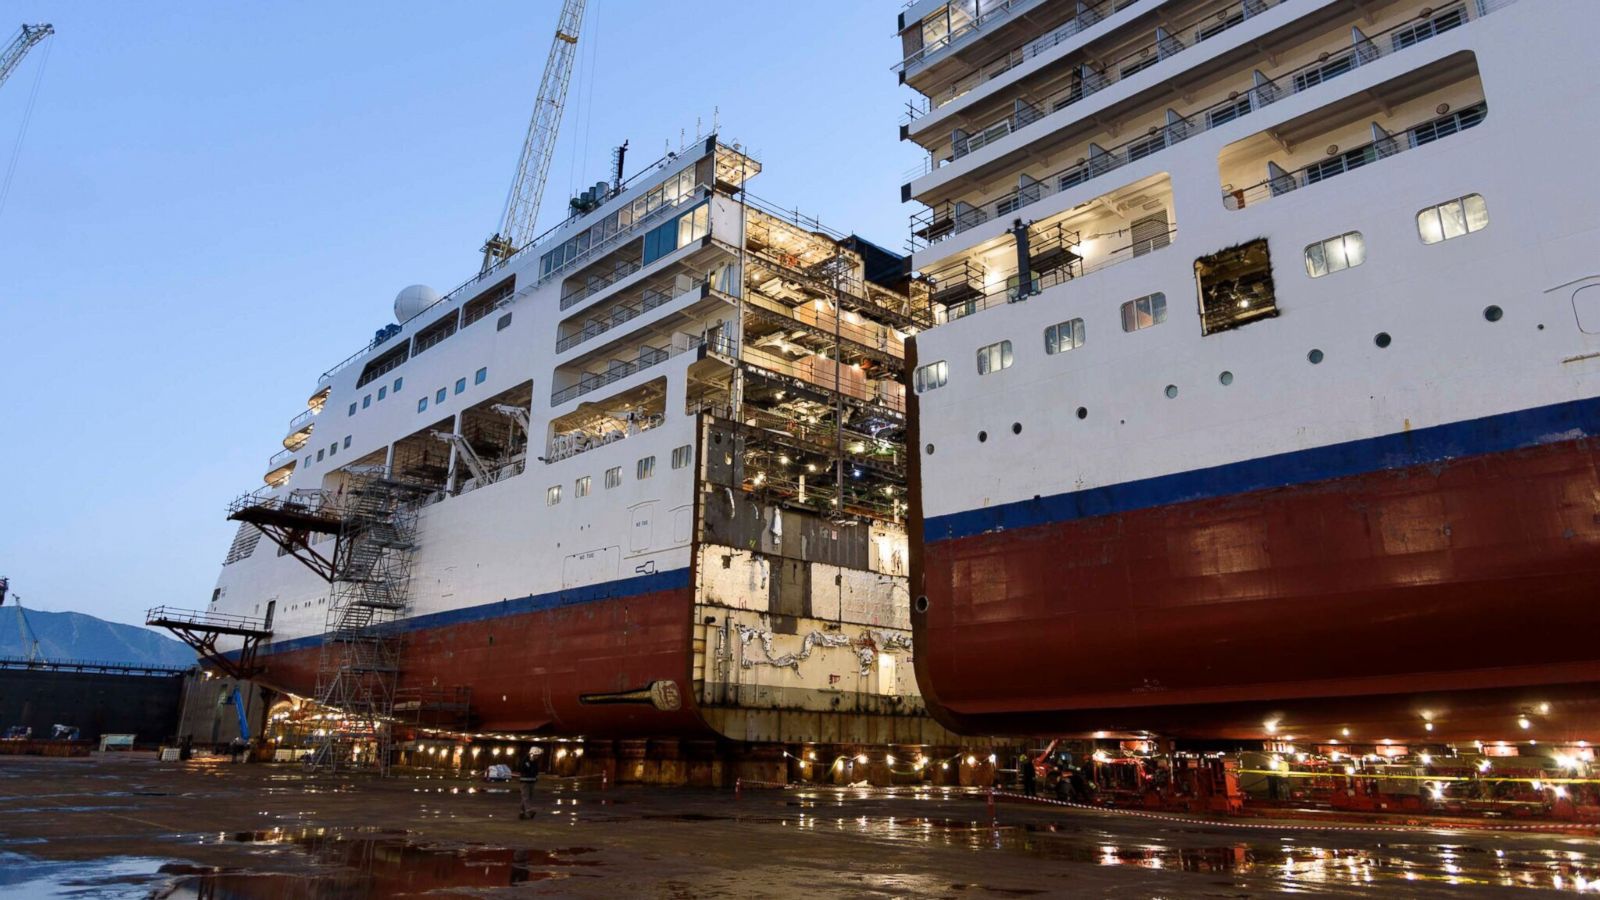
363 637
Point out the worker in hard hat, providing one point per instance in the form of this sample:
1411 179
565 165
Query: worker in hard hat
529 770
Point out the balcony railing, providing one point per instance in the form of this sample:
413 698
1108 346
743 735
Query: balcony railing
281 457
648 357
1092 13
570 444
996 14
296 422
617 239
1383 147
980 295
948 219
1091 81
647 300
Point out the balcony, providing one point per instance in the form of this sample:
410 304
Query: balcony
279 467
1087 82
962 33
945 220
648 357
966 287
1383 146
628 310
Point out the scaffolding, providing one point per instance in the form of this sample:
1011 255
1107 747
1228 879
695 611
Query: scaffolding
359 666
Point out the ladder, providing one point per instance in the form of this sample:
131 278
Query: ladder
359 665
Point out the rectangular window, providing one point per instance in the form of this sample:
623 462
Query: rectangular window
994 357
333 448
1144 312
383 392
503 323
366 401
1464 215
441 394
1062 337
552 495
319 455
932 376
645 468
461 385
352 409
580 488
308 459
1343 252
422 403
398 382
681 455
347 442
481 376
613 477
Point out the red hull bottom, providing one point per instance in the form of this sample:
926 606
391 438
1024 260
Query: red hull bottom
528 671
1464 593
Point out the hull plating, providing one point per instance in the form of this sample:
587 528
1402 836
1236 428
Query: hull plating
528 662
1464 588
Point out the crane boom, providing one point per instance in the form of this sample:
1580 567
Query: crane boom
19 47
527 188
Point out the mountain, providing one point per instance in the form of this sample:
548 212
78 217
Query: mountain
77 636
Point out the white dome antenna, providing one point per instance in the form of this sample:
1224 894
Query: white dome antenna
412 301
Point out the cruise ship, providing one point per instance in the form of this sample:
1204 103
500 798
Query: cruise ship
1263 394
644 479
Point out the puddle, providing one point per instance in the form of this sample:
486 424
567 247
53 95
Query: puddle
116 877
381 864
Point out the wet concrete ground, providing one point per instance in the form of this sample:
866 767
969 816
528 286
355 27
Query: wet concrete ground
121 826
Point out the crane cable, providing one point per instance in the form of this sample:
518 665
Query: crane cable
27 116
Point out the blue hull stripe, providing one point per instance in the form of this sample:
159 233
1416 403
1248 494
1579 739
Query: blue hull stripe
610 590
1573 420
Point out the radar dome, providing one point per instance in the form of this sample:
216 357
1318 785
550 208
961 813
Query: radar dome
413 300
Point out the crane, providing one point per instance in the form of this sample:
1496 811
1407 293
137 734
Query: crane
19 47
30 638
527 188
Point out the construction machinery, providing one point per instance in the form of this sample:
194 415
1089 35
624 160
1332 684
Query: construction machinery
19 47
25 632
527 188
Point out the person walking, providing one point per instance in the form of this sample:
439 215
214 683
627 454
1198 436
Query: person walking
529 770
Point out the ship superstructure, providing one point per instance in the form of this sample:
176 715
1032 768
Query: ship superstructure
1264 390
644 478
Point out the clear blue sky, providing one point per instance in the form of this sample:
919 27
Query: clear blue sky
217 201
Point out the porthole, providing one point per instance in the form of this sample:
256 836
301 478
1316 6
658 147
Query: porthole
929 448
1083 413
1382 339
1016 427
983 436
1172 391
1493 313
1226 378
1314 357
921 605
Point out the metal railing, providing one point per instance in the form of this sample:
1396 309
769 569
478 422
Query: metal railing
1358 157
570 444
1092 14
616 239
648 299
1010 291
282 456
937 223
648 357
205 618
971 28
303 418
1091 81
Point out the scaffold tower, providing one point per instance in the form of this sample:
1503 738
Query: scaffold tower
362 641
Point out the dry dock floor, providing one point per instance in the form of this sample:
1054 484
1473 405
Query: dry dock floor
126 826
